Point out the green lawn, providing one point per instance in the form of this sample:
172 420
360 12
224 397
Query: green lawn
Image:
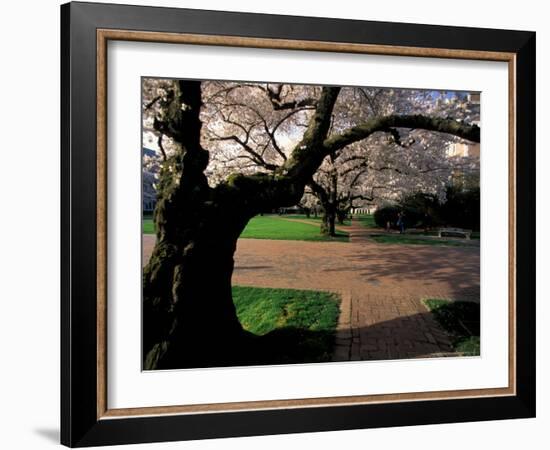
295 325
313 219
148 227
367 220
407 240
461 320
275 227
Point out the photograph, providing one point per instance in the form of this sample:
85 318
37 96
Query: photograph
289 223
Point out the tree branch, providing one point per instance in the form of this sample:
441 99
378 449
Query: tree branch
285 186
308 155
255 156
318 191
152 102
364 130
278 102
161 147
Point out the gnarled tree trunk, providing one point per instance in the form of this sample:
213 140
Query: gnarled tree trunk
189 319
189 314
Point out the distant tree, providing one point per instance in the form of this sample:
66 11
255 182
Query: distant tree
392 164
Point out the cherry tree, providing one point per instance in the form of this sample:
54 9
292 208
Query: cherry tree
228 152
389 165
257 135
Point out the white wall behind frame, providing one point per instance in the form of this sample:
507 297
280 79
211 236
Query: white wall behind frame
30 375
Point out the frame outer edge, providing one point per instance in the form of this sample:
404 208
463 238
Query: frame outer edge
79 426
79 252
526 226
65 389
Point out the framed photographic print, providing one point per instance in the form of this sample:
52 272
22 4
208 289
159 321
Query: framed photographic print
276 224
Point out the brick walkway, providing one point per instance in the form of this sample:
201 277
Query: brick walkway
381 286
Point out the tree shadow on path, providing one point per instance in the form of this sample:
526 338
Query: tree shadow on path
404 337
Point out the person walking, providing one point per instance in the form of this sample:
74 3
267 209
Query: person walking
401 222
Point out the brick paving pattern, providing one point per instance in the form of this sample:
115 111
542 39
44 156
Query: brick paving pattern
380 285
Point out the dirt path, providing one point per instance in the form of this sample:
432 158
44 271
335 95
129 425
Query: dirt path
381 286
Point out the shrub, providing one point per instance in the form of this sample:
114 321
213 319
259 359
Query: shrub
421 210
386 214
461 209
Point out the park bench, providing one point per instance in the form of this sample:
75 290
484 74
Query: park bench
455 231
